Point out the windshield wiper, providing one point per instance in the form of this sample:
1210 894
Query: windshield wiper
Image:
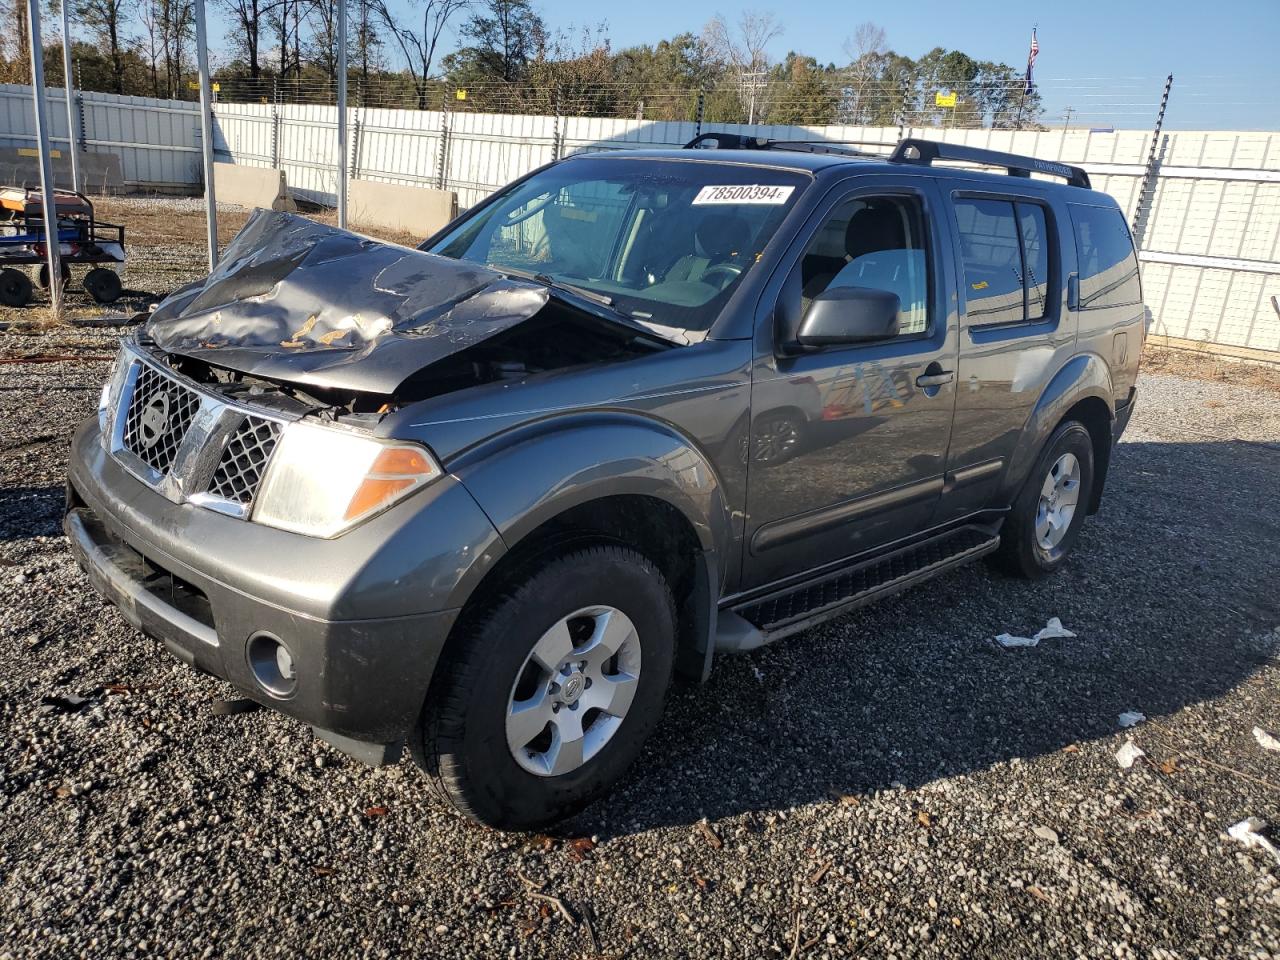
601 299
550 281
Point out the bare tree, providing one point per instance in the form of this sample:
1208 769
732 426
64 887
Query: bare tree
743 48
107 19
867 38
248 18
152 19
865 50
177 30
419 48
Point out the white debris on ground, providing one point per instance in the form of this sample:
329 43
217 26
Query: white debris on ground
1265 740
1131 718
1128 754
1053 630
1249 833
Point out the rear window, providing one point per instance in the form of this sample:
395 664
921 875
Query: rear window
1005 251
1108 264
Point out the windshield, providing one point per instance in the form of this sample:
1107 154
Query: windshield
664 241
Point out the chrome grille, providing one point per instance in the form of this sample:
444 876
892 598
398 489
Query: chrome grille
159 415
245 460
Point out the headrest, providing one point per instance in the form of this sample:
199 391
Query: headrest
877 226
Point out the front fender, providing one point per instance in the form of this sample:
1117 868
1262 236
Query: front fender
1085 375
525 477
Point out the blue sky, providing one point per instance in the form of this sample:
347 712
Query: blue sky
1105 59
1225 55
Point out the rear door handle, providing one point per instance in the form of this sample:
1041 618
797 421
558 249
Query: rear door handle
935 379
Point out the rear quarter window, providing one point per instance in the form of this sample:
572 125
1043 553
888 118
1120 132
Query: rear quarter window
1108 265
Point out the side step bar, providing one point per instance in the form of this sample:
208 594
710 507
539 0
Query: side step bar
765 619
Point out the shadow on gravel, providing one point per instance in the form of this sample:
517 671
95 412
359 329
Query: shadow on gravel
1170 590
31 512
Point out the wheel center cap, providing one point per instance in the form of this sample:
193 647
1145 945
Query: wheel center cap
572 688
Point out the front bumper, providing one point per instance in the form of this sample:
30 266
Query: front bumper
204 584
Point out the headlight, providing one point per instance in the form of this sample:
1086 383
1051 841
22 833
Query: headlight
322 481
109 399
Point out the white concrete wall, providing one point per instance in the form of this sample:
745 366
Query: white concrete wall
1210 242
158 141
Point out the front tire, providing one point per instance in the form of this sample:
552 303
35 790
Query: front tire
546 697
1045 520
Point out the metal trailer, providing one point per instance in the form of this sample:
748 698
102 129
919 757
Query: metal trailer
82 239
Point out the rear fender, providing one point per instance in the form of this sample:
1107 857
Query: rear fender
1084 375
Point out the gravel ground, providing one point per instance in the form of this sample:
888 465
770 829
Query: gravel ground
891 784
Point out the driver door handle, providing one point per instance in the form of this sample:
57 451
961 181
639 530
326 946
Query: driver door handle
935 379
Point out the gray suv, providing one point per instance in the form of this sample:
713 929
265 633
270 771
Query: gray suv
635 410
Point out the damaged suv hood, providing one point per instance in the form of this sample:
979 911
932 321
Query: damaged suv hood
299 301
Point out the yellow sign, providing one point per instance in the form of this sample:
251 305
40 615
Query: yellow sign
459 94
28 152
192 85
945 99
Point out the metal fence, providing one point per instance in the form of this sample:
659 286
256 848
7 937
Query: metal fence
158 141
1208 231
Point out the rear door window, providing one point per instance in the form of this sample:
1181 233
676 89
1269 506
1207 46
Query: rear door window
1005 251
1108 264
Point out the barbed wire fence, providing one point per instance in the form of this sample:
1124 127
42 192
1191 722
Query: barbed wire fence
818 99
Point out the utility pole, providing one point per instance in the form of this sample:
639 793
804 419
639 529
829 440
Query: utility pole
342 114
73 147
52 247
1067 117
206 134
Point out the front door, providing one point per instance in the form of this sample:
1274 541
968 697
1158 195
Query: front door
847 448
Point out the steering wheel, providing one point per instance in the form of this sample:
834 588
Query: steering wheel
731 271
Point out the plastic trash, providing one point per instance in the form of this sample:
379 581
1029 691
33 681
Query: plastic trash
1248 832
1131 718
1008 640
1128 754
1265 740
1053 630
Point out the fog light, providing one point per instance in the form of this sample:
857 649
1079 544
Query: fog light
272 665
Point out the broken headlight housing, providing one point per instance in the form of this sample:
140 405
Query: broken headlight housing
322 481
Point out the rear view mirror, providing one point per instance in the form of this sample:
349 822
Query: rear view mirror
841 315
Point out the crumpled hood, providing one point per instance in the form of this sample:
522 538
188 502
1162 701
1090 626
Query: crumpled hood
299 301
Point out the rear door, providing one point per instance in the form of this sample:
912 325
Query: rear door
848 445
1015 333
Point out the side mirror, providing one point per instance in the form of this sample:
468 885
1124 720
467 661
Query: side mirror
841 315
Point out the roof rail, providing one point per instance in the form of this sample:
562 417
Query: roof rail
909 150
727 141
738 141
912 150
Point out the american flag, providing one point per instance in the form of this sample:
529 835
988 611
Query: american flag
1031 60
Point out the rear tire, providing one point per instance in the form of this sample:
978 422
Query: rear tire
15 288
480 740
103 285
44 275
1045 519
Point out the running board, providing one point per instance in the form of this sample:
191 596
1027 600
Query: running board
776 615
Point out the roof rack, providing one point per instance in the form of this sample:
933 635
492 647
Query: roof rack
737 141
909 150
912 150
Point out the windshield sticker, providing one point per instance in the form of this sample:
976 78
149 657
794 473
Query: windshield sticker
743 193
